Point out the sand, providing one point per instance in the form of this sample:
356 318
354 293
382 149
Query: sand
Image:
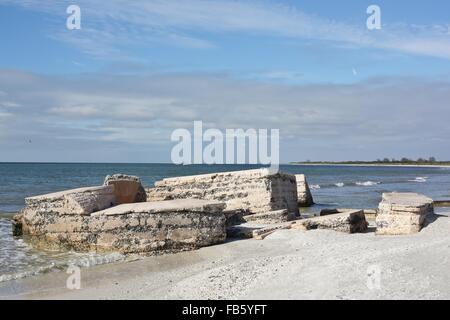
288 264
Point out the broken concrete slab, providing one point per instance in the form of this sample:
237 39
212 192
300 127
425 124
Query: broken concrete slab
168 226
348 222
326 212
277 216
81 201
369 213
255 230
254 191
402 213
242 231
178 205
304 195
260 233
127 189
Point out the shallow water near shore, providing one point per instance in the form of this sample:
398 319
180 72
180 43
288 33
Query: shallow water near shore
332 187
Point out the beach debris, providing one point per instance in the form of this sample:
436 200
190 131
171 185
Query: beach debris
186 213
277 216
254 191
348 222
195 212
263 232
256 231
146 227
402 213
127 189
262 236
304 195
326 212
370 214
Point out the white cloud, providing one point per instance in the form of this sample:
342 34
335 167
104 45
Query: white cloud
8 104
276 75
371 119
108 26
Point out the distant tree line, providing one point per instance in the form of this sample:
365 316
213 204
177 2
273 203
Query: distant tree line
404 160
430 160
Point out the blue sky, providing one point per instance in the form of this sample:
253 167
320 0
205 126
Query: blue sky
30 33
115 89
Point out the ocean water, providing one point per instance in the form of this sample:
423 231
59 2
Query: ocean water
332 187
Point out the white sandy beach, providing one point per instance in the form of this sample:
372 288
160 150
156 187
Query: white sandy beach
288 264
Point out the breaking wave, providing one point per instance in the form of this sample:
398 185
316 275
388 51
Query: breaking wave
19 260
83 262
419 179
367 183
343 184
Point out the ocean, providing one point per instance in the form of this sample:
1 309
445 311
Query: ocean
332 187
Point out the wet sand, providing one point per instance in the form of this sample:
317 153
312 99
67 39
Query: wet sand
289 264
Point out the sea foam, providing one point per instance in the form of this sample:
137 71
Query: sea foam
419 179
367 183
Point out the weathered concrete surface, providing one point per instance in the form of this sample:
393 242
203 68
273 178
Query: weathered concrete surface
402 213
235 217
82 201
254 191
178 205
146 227
242 231
348 222
304 195
370 214
270 217
127 189
256 230
326 212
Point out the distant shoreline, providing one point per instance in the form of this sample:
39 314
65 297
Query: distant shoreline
371 165
356 164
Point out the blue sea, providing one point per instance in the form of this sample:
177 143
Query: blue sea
332 187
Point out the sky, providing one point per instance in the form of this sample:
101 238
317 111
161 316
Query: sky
114 90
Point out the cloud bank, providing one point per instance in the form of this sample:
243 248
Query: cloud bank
97 117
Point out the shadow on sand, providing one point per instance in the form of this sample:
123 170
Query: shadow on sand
432 217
